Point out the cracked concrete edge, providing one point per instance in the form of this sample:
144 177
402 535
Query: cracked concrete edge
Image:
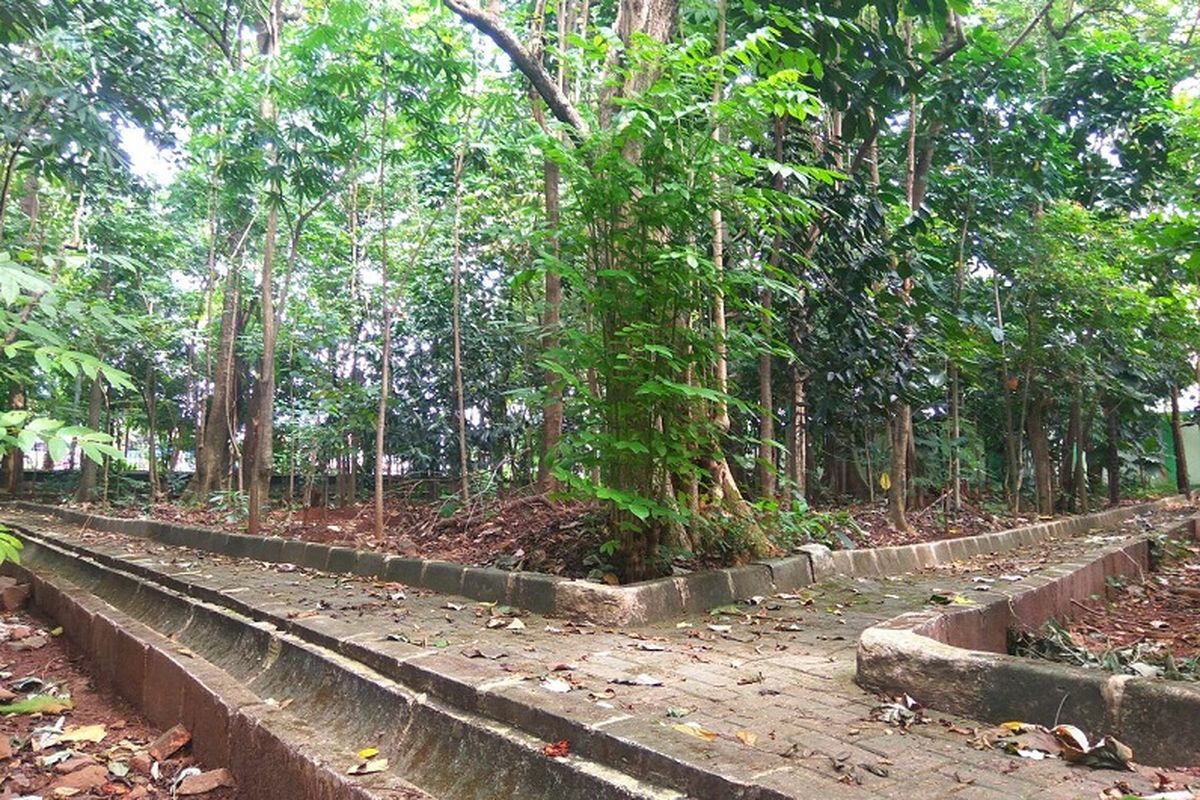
918 654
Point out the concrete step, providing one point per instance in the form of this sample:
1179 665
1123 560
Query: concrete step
288 715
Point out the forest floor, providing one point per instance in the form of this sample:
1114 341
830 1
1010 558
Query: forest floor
84 743
1142 622
560 537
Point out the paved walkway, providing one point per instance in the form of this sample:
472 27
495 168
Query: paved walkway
772 682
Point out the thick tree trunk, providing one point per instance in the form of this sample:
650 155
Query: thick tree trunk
1182 479
1039 446
212 460
85 492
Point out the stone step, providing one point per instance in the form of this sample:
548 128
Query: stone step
288 716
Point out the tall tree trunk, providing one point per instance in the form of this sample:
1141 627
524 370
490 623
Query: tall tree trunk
552 407
85 492
261 428
464 474
766 425
1182 479
385 377
901 421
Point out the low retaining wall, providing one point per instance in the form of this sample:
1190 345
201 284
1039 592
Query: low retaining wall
633 604
956 661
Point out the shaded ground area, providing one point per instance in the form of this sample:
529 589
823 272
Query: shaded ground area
763 690
561 537
83 744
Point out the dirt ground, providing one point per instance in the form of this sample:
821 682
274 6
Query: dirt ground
84 744
1161 613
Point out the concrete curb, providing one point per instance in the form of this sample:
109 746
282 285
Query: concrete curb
956 661
633 604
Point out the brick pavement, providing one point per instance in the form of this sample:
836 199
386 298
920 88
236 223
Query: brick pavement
778 673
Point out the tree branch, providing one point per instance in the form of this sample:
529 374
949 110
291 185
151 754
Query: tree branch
955 40
491 26
1028 29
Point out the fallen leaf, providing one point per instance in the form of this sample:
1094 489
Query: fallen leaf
84 733
38 704
555 685
560 749
696 730
367 753
747 738
475 652
639 680
368 767
515 625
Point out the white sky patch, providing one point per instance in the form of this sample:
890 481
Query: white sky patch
146 160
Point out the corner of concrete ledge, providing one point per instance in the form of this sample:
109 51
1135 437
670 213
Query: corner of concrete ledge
821 563
605 605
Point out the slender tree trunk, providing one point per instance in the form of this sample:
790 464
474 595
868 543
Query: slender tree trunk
901 421
899 425
1182 479
766 426
85 492
798 433
262 422
552 407
464 479
385 378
